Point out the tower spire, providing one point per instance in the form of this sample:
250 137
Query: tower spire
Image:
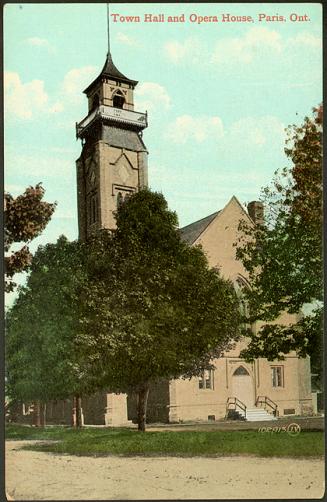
108 32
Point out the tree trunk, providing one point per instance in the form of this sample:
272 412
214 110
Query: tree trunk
77 411
37 415
142 401
74 412
43 411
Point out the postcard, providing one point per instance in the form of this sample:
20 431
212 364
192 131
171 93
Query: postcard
145 144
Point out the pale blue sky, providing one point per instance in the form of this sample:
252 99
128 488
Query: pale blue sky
219 96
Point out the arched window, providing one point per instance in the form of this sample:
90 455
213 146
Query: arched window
241 371
118 100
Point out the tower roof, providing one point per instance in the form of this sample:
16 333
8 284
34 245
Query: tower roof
110 71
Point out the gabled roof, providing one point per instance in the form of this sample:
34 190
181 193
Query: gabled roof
191 232
111 72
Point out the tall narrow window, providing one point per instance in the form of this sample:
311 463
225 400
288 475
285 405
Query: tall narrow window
89 210
93 209
206 380
277 376
240 286
96 207
119 200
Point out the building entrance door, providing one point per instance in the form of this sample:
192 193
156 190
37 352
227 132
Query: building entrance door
242 386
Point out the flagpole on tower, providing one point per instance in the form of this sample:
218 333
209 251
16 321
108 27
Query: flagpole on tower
108 33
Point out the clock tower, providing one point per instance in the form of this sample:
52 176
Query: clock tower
113 162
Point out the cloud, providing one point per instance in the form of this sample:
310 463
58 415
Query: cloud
188 51
255 131
246 132
238 50
57 107
125 39
40 42
15 190
24 100
75 80
244 49
187 128
241 49
150 96
305 39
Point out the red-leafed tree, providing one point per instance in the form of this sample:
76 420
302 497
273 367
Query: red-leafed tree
284 256
25 216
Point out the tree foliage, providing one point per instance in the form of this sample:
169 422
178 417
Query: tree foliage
25 216
284 255
119 311
41 362
152 308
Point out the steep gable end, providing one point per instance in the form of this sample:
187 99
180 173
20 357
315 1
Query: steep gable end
192 232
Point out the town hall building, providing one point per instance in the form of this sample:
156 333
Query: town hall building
113 165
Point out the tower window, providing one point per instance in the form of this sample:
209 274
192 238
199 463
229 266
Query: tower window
93 209
118 100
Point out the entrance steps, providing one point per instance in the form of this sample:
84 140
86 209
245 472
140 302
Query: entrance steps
256 415
237 410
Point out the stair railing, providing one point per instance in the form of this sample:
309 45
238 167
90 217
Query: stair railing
267 402
233 403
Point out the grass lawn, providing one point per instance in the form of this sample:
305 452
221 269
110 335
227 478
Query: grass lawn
102 442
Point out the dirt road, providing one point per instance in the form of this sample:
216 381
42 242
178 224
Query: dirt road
44 476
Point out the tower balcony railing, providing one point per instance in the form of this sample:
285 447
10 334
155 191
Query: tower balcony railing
136 119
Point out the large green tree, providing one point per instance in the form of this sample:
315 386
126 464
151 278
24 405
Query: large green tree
41 360
152 307
119 311
284 255
25 218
